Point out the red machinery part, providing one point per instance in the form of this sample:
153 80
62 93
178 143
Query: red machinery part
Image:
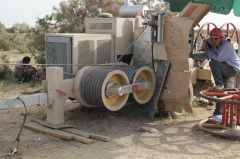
230 99
230 32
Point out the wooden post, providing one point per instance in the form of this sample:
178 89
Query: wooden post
54 79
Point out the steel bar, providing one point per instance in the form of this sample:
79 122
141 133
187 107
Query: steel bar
60 64
231 115
223 94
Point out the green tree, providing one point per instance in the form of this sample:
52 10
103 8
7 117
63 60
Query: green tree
36 45
149 3
2 28
70 15
4 68
21 27
10 30
158 5
5 43
162 6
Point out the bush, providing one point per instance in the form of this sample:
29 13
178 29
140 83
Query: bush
5 44
1 84
22 49
11 41
4 68
37 47
40 57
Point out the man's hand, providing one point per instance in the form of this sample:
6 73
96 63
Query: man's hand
38 73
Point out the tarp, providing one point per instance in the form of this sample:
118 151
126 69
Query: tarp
219 6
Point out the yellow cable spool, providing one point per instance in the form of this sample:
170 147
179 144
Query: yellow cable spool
117 102
144 74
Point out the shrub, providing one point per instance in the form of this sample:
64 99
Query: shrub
37 47
4 68
22 49
1 84
5 44
11 41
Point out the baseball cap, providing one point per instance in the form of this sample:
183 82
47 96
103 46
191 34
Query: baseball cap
216 32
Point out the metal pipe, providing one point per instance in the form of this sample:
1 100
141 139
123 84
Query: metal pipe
238 114
61 64
231 115
227 114
126 89
160 37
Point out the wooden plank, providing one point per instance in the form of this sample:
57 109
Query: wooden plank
82 139
48 131
161 74
77 132
36 121
87 134
100 137
56 133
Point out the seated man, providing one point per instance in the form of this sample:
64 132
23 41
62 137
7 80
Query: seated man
23 71
224 61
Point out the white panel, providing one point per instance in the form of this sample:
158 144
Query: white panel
147 34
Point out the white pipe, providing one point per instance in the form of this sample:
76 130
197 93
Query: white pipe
27 100
109 64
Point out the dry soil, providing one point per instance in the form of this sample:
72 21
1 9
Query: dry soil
177 138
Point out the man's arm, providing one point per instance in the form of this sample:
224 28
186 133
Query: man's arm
34 69
224 52
27 68
208 54
199 56
38 72
22 67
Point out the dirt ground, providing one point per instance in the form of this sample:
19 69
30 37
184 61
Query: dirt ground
177 138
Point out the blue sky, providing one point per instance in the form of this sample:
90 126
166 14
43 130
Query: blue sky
19 11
